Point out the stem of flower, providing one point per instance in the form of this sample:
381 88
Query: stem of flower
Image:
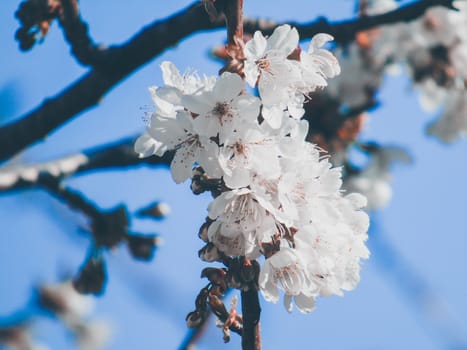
251 310
233 10
234 21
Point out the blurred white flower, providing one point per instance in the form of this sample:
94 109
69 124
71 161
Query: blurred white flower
452 122
374 181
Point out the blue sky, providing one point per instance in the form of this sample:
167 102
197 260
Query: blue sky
425 225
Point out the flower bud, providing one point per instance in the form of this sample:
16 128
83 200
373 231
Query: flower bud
91 278
194 319
209 253
142 247
203 230
156 210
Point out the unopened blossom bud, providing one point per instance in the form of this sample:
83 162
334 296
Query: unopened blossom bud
156 210
226 334
201 299
92 277
217 306
215 276
209 253
142 247
197 171
203 230
194 319
196 186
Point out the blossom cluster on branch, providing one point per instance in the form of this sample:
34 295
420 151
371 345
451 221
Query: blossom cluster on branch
279 198
432 49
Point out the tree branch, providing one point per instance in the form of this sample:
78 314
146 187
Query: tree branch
194 334
344 32
76 34
73 199
251 310
118 62
116 155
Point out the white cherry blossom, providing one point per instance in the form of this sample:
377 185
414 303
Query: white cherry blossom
178 134
267 63
279 198
178 85
286 270
318 64
220 110
248 152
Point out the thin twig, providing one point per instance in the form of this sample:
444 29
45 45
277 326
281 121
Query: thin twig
73 199
194 334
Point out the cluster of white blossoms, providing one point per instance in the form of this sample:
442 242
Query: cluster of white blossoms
434 50
281 199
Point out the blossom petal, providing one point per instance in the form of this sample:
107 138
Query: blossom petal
268 288
273 115
288 302
170 74
284 39
254 49
247 106
251 72
146 146
182 164
198 104
319 40
304 303
227 87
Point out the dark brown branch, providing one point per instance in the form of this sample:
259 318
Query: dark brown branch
107 227
120 61
251 310
234 21
73 199
233 11
76 34
118 155
117 63
344 32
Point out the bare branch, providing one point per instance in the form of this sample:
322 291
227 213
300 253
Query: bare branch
76 33
233 12
120 61
72 198
251 310
116 155
344 32
117 63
